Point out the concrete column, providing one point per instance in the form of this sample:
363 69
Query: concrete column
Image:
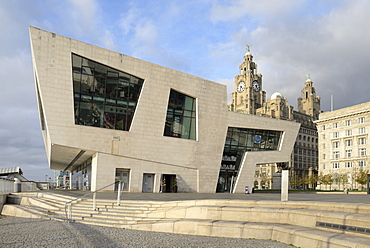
284 185
94 172
70 179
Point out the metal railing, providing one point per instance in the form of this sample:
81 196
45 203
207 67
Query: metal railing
68 205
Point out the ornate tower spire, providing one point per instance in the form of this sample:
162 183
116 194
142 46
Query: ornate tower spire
309 103
248 95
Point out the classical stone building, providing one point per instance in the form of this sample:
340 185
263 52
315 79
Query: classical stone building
309 103
248 95
106 116
276 107
343 139
249 98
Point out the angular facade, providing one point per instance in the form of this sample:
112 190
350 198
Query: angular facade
107 116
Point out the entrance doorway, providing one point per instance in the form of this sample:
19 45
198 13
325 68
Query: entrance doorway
226 181
124 176
148 183
169 183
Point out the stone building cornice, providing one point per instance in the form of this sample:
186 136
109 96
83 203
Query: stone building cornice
342 116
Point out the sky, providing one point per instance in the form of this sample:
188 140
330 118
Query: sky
328 39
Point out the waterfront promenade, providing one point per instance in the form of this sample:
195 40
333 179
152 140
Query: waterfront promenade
335 196
23 232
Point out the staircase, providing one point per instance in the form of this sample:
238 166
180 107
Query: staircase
302 224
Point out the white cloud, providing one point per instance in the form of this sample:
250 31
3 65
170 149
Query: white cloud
332 48
108 40
289 39
146 32
139 32
262 9
128 20
85 13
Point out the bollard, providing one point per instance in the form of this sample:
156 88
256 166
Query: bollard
247 190
17 185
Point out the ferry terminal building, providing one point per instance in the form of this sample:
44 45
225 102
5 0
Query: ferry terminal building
106 116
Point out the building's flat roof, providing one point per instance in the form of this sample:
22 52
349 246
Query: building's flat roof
11 170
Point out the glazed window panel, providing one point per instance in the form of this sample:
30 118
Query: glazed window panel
76 82
186 128
253 139
180 118
102 95
237 142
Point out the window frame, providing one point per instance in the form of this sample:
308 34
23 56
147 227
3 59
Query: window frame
362 141
181 116
336 145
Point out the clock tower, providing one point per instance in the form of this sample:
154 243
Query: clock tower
309 103
248 94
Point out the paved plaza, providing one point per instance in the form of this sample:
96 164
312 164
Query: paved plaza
24 232
358 197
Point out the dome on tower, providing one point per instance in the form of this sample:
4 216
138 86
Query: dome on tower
276 94
308 80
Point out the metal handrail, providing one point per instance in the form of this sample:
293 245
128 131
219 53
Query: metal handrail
69 212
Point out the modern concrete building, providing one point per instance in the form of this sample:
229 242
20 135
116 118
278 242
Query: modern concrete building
12 172
249 98
106 116
61 179
343 139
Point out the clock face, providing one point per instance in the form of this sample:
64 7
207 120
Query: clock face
255 86
241 87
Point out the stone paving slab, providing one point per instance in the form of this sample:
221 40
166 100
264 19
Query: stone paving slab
25 232
304 196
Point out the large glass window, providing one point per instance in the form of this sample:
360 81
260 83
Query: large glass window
238 141
252 139
181 116
103 96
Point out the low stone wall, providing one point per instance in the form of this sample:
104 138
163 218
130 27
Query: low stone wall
2 201
6 185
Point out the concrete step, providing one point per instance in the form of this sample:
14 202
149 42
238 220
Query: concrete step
30 212
297 223
299 217
289 234
89 205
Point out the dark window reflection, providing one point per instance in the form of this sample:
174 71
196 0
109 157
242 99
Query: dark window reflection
180 119
238 141
103 96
